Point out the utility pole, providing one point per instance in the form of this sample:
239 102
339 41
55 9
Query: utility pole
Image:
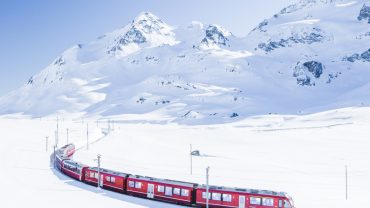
99 156
207 188
46 143
57 134
67 135
56 138
87 136
54 156
346 183
191 159
108 126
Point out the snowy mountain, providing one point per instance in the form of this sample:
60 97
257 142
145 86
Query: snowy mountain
312 56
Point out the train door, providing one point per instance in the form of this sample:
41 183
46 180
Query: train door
150 193
241 201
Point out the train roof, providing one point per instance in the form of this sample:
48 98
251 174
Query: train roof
74 163
103 170
248 191
61 156
166 181
68 145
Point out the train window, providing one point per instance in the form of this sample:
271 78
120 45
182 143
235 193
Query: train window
204 194
184 192
78 170
216 196
177 191
161 189
226 197
255 200
72 168
286 204
280 203
268 202
131 184
138 185
92 175
168 191
110 179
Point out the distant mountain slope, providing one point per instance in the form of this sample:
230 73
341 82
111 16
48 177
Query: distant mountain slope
312 56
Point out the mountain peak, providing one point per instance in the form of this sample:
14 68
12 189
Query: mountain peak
216 35
147 29
146 17
148 23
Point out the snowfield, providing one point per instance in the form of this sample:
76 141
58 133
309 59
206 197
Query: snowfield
304 156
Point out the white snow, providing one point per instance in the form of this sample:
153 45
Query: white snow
346 4
166 88
308 22
27 179
155 66
302 155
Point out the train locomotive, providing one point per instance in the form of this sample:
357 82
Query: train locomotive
171 191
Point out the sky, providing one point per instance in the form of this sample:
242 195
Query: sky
34 33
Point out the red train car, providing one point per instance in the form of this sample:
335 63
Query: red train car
161 189
67 150
115 181
59 158
74 169
242 198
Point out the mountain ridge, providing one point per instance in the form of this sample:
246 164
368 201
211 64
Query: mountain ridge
203 73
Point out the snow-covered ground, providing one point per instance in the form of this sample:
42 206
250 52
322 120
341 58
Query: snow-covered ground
302 155
27 180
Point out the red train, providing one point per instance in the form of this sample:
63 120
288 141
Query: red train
177 192
109 179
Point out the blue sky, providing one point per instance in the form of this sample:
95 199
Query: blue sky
33 33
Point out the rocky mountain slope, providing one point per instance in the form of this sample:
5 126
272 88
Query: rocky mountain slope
312 56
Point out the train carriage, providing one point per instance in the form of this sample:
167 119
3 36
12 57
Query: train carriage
67 150
161 189
241 198
74 169
115 181
59 158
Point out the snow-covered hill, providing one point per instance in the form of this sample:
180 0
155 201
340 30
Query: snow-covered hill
312 56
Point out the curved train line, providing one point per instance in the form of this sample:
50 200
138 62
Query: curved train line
176 192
